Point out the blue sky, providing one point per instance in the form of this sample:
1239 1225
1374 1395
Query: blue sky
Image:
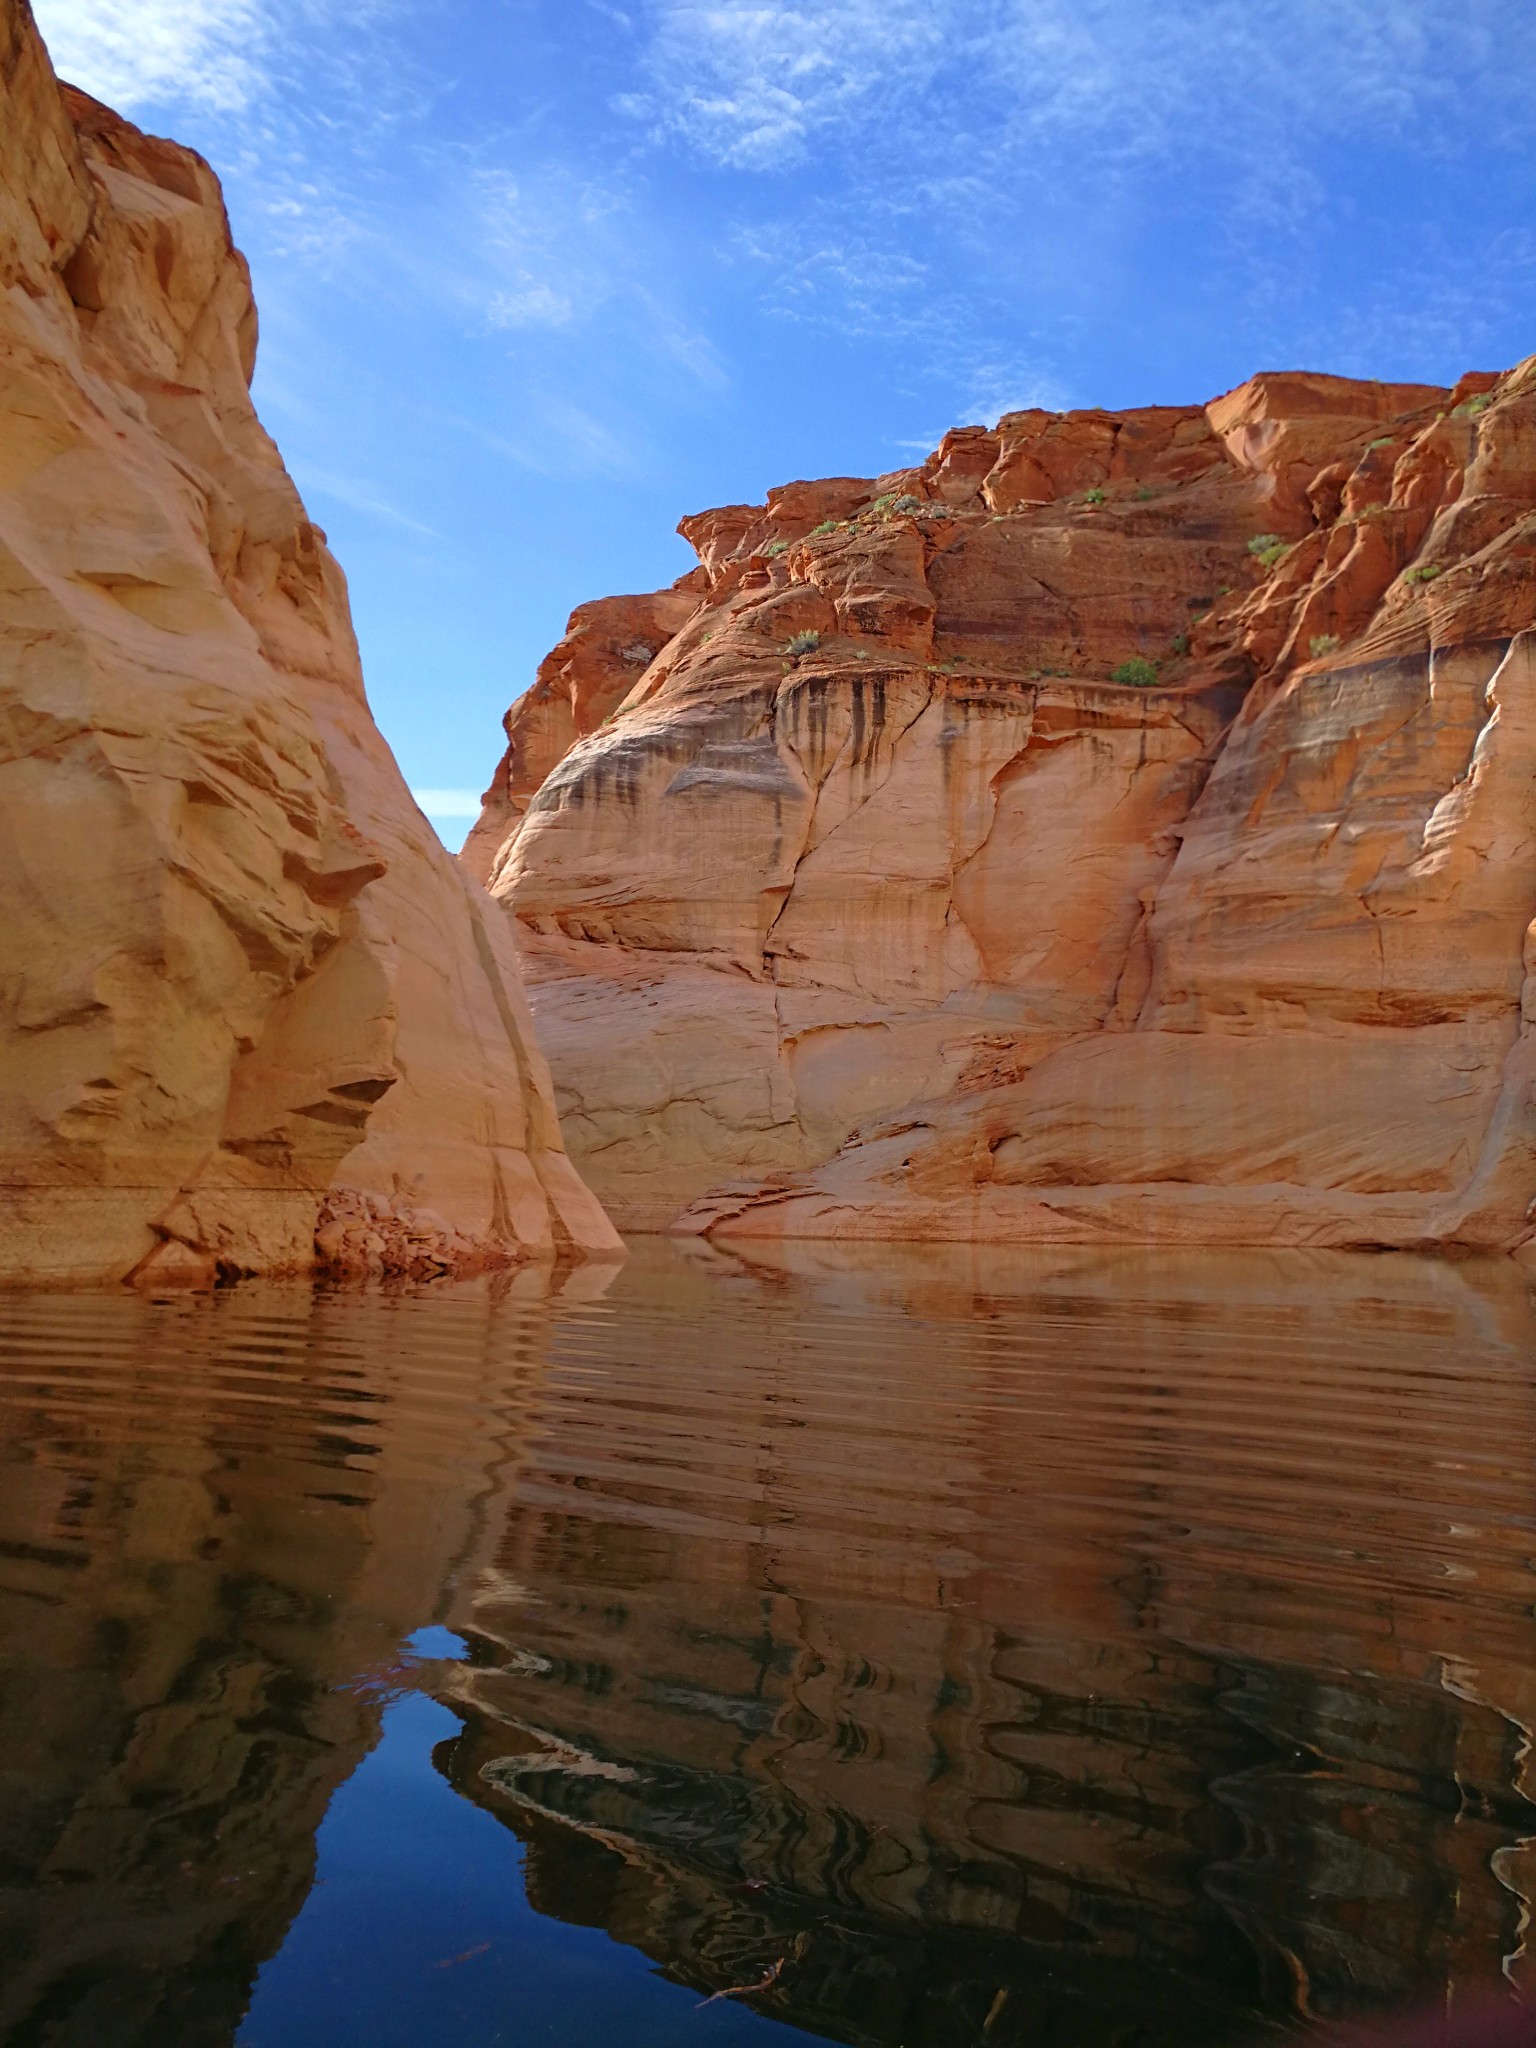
537 277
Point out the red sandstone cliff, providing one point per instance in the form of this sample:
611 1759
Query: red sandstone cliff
1119 826
248 1006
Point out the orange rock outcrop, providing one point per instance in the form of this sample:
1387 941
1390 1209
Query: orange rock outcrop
578 689
1115 827
250 1013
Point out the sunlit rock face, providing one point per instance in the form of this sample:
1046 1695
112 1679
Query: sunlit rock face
244 995
1117 827
579 687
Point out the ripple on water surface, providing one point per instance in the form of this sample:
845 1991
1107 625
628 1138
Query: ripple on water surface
926 1648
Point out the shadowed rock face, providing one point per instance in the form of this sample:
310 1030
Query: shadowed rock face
1117 827
244 993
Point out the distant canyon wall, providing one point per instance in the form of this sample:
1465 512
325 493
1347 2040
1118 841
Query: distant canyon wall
1116 827
251 1014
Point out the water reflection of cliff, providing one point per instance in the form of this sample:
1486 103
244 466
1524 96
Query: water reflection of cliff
218 1517
1073 1650
1102 1649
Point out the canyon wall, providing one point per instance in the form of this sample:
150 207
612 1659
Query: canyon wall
250 1012
1114 827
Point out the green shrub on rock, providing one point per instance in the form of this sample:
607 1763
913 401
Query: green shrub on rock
1137 674
1268 548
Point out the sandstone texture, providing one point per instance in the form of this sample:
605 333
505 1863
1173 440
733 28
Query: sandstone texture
250 1012
1116 827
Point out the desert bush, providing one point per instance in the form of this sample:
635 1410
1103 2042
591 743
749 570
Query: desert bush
802 643
826 526
1138 673
776 547
1268 548
1095 496
1426 574
1323 643
1469 408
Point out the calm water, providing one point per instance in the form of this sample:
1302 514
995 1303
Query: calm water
966 1648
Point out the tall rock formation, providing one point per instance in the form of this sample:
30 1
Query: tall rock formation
245 998
1116 827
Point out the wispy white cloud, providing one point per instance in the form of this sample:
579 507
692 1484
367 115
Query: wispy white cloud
991 389
449 803
1471 285
923 173
554 436
362 497
853 277
131 53
544 250
758 84
528 303
302 217
822 257
751 82
272 82
570 268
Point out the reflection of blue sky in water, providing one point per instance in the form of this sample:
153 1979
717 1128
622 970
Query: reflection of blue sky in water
418 1931
435 1641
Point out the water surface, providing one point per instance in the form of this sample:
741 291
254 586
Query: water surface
925 1648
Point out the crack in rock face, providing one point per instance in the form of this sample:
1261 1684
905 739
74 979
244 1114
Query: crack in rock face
1114 827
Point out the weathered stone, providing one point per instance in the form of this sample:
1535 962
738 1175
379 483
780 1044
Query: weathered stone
239 977
1118 826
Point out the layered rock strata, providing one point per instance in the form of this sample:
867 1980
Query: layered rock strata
1115 827
250 1013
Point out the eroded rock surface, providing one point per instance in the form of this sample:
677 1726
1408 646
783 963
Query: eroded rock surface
243 992
1115 827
